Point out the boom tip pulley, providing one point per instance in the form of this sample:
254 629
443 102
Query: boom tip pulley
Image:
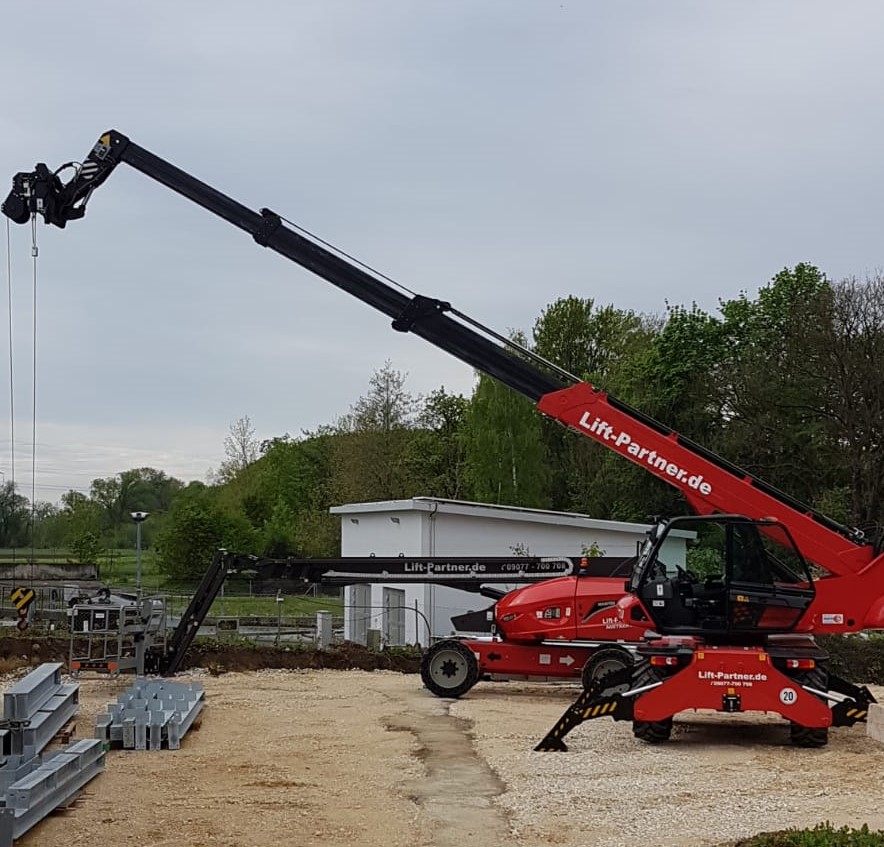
43 192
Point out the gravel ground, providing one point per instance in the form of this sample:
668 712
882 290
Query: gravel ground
720 777
302 758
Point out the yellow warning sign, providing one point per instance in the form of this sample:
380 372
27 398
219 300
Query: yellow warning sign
22 598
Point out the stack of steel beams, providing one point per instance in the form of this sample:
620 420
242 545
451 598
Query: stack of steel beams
54 782
34 709
150 714
39 706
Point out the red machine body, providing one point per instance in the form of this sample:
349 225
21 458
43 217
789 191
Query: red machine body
552 629
849 598
571 608
734 679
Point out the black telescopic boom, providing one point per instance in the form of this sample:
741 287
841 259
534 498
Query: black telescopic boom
42 192
421 315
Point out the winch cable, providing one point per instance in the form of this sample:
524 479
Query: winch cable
33 520
501 339
11 486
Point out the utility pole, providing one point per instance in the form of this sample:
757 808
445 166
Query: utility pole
139 518
279 599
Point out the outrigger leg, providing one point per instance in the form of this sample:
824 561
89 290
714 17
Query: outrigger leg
591 704
852 704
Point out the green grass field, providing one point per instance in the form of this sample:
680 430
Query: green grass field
238 606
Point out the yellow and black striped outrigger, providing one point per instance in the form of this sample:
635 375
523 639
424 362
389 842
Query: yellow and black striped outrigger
585 708
598 701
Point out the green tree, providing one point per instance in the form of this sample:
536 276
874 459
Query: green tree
294 473
83 520
435 456
241 449
295 470
86 547
48 526
605 346
770 400
278 537
505 455
845 349
197 527
676 380
740 383
15 516
589 342
368 452
387 406
135 490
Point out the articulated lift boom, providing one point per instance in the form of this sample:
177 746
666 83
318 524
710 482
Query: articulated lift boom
466 573
736 608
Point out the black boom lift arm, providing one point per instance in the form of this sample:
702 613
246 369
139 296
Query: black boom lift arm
43 192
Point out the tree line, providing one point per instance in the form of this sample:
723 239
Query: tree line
788 384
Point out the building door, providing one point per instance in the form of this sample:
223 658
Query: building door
359 612
394 616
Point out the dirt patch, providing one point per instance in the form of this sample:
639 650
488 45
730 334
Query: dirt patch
222 657
296 758
458 790
218 657
26 651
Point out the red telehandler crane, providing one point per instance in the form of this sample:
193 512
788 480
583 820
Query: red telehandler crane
740 639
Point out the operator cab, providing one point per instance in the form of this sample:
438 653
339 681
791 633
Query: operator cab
722 576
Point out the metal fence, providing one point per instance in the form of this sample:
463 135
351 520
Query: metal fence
50 609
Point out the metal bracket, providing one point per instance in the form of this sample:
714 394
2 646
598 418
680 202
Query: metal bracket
270 222
418 308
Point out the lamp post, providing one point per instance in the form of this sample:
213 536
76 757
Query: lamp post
139 518
279 599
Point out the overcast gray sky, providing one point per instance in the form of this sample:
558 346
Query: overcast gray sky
496 154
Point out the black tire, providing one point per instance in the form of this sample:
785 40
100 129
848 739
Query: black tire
807 736
600 664
449 669
651 732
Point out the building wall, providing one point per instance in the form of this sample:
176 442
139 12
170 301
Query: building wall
467 535
388 533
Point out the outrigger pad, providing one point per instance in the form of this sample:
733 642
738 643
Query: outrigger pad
551 745
585 708
849 712
854 710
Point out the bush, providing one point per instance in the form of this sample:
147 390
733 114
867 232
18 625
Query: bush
822 835
857 659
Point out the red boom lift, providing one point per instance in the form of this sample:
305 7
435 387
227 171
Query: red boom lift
739 639
466 573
